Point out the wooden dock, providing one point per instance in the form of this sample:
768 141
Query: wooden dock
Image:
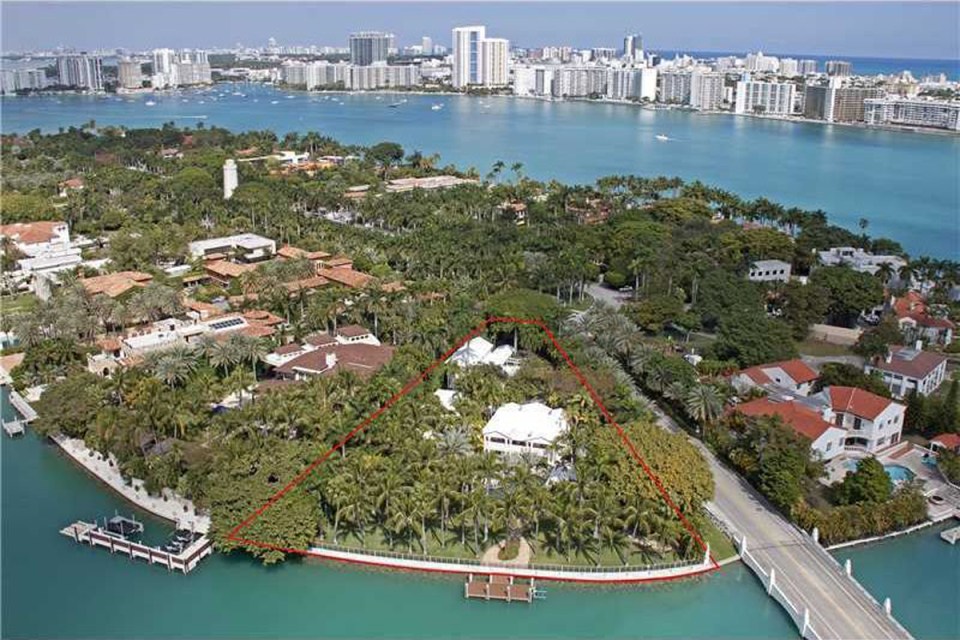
499 587
951 535
95 536
13 428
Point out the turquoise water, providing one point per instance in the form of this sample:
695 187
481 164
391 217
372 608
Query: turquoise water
905 184
98 595
896 472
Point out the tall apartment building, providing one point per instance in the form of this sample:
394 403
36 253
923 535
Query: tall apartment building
426 45
579 81
789 67
631 83
776 98
759 62
706 90
172 69
376 76
163 60
807 67
12 81
633 47
81 72
534 80
675 87
839 68
129 74
937 114
478 60
369 47
838 104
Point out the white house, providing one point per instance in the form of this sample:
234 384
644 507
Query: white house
826 438
769 271
859 260
479 351
793 376
36 239
530 428
905 369
871 422
249 247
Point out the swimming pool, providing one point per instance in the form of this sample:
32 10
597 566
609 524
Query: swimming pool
896 472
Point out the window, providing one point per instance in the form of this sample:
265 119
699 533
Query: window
857 424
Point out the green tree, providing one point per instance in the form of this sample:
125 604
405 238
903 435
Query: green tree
868 483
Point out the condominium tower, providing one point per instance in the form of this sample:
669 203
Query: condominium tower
369 47
478 60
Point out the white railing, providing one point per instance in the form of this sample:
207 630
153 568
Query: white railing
22 406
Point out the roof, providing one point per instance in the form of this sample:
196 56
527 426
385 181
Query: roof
797 369
287 349
320 339
352 331
948 440
291 252
261 316
72 183
392 287
910 362
115 284
363 359
347 276
228 269
800 418
338 261
770 264
857 401
530 422
912 305
306 284
32 232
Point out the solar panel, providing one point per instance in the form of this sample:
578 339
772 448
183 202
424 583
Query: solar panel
220 325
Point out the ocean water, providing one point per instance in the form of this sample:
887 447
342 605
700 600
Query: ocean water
54 588
904 184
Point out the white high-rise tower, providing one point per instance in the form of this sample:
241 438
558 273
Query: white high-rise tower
230 181
468 55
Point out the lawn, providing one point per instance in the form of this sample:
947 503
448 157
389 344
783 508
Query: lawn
819 348
17 303
721 547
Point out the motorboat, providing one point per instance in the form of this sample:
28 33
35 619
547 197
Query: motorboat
662 138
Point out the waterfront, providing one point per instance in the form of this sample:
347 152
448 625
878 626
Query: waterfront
903 183
103 596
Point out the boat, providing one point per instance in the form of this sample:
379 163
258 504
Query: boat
274 102
124 527
437 106
662 138
150 103
394 105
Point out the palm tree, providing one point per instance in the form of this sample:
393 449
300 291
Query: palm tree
703 403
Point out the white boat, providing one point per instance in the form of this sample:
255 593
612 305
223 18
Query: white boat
662 138
289 97
149 103
274 102
437 106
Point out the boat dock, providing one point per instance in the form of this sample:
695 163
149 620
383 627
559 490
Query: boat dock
500 587
951 535
13 428
94 535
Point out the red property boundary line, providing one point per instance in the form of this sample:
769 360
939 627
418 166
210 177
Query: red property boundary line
413 384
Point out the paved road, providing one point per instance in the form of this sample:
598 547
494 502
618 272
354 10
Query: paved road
608 295
807 574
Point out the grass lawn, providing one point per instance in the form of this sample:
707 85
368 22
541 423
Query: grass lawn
721 547
819 348
17 303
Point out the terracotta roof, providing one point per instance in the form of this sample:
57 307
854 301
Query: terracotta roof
796 369
262 316
287 349
115 284
72 183
802 419
392 287
109 344
313 282
320 339
347 276
31 232
205 309
364 359
335 262
291 252
257 331
228 269
949 440
910 362
11 361
857 401
352 331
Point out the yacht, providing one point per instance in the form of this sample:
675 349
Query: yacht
662 138
437 106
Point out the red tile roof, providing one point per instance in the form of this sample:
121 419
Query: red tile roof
287 349
802 419
31 232
857 401
352 331
910 362
228 269
347 276
796 369
364 359
115 284
949 440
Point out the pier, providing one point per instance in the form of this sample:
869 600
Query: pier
951 535
186 561
13 428
499 587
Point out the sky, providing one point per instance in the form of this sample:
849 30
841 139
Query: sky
909 29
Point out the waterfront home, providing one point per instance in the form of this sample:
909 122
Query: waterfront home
871 422
769 271
479 351
400 185
917 322
793 376
361 358
859 260
116 284
242 247
946 442
531 428
905 369
826 439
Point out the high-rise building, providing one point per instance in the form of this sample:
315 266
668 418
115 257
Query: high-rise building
633 47
839 68
534 80
759 62
789 67
835 103
369 47
80 72
632 83
129 74
163 60
706 90
496 56
775 98
426 45
675 87
22 80
580 81
468 55
603 53
807 67
938 114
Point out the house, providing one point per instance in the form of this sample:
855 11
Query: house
826 439
859 260
400 185
916 321
37 239
479 351
223 271
347 277
769 271
116 284
288 252
947 442
872 422
905 369
72 184
243 247
792 376
531 428
361 358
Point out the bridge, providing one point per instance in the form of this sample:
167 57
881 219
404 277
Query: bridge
822 597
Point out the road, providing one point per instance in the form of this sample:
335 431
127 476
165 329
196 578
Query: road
808 576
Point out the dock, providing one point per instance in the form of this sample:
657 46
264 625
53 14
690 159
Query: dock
500 587
13 428
951 535
95 536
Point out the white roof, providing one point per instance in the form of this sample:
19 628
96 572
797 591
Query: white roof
530 422
446 397
479 350
770 264
244 240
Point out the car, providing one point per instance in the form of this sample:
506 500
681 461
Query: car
627 289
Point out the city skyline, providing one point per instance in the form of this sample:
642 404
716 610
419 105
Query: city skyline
781 28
